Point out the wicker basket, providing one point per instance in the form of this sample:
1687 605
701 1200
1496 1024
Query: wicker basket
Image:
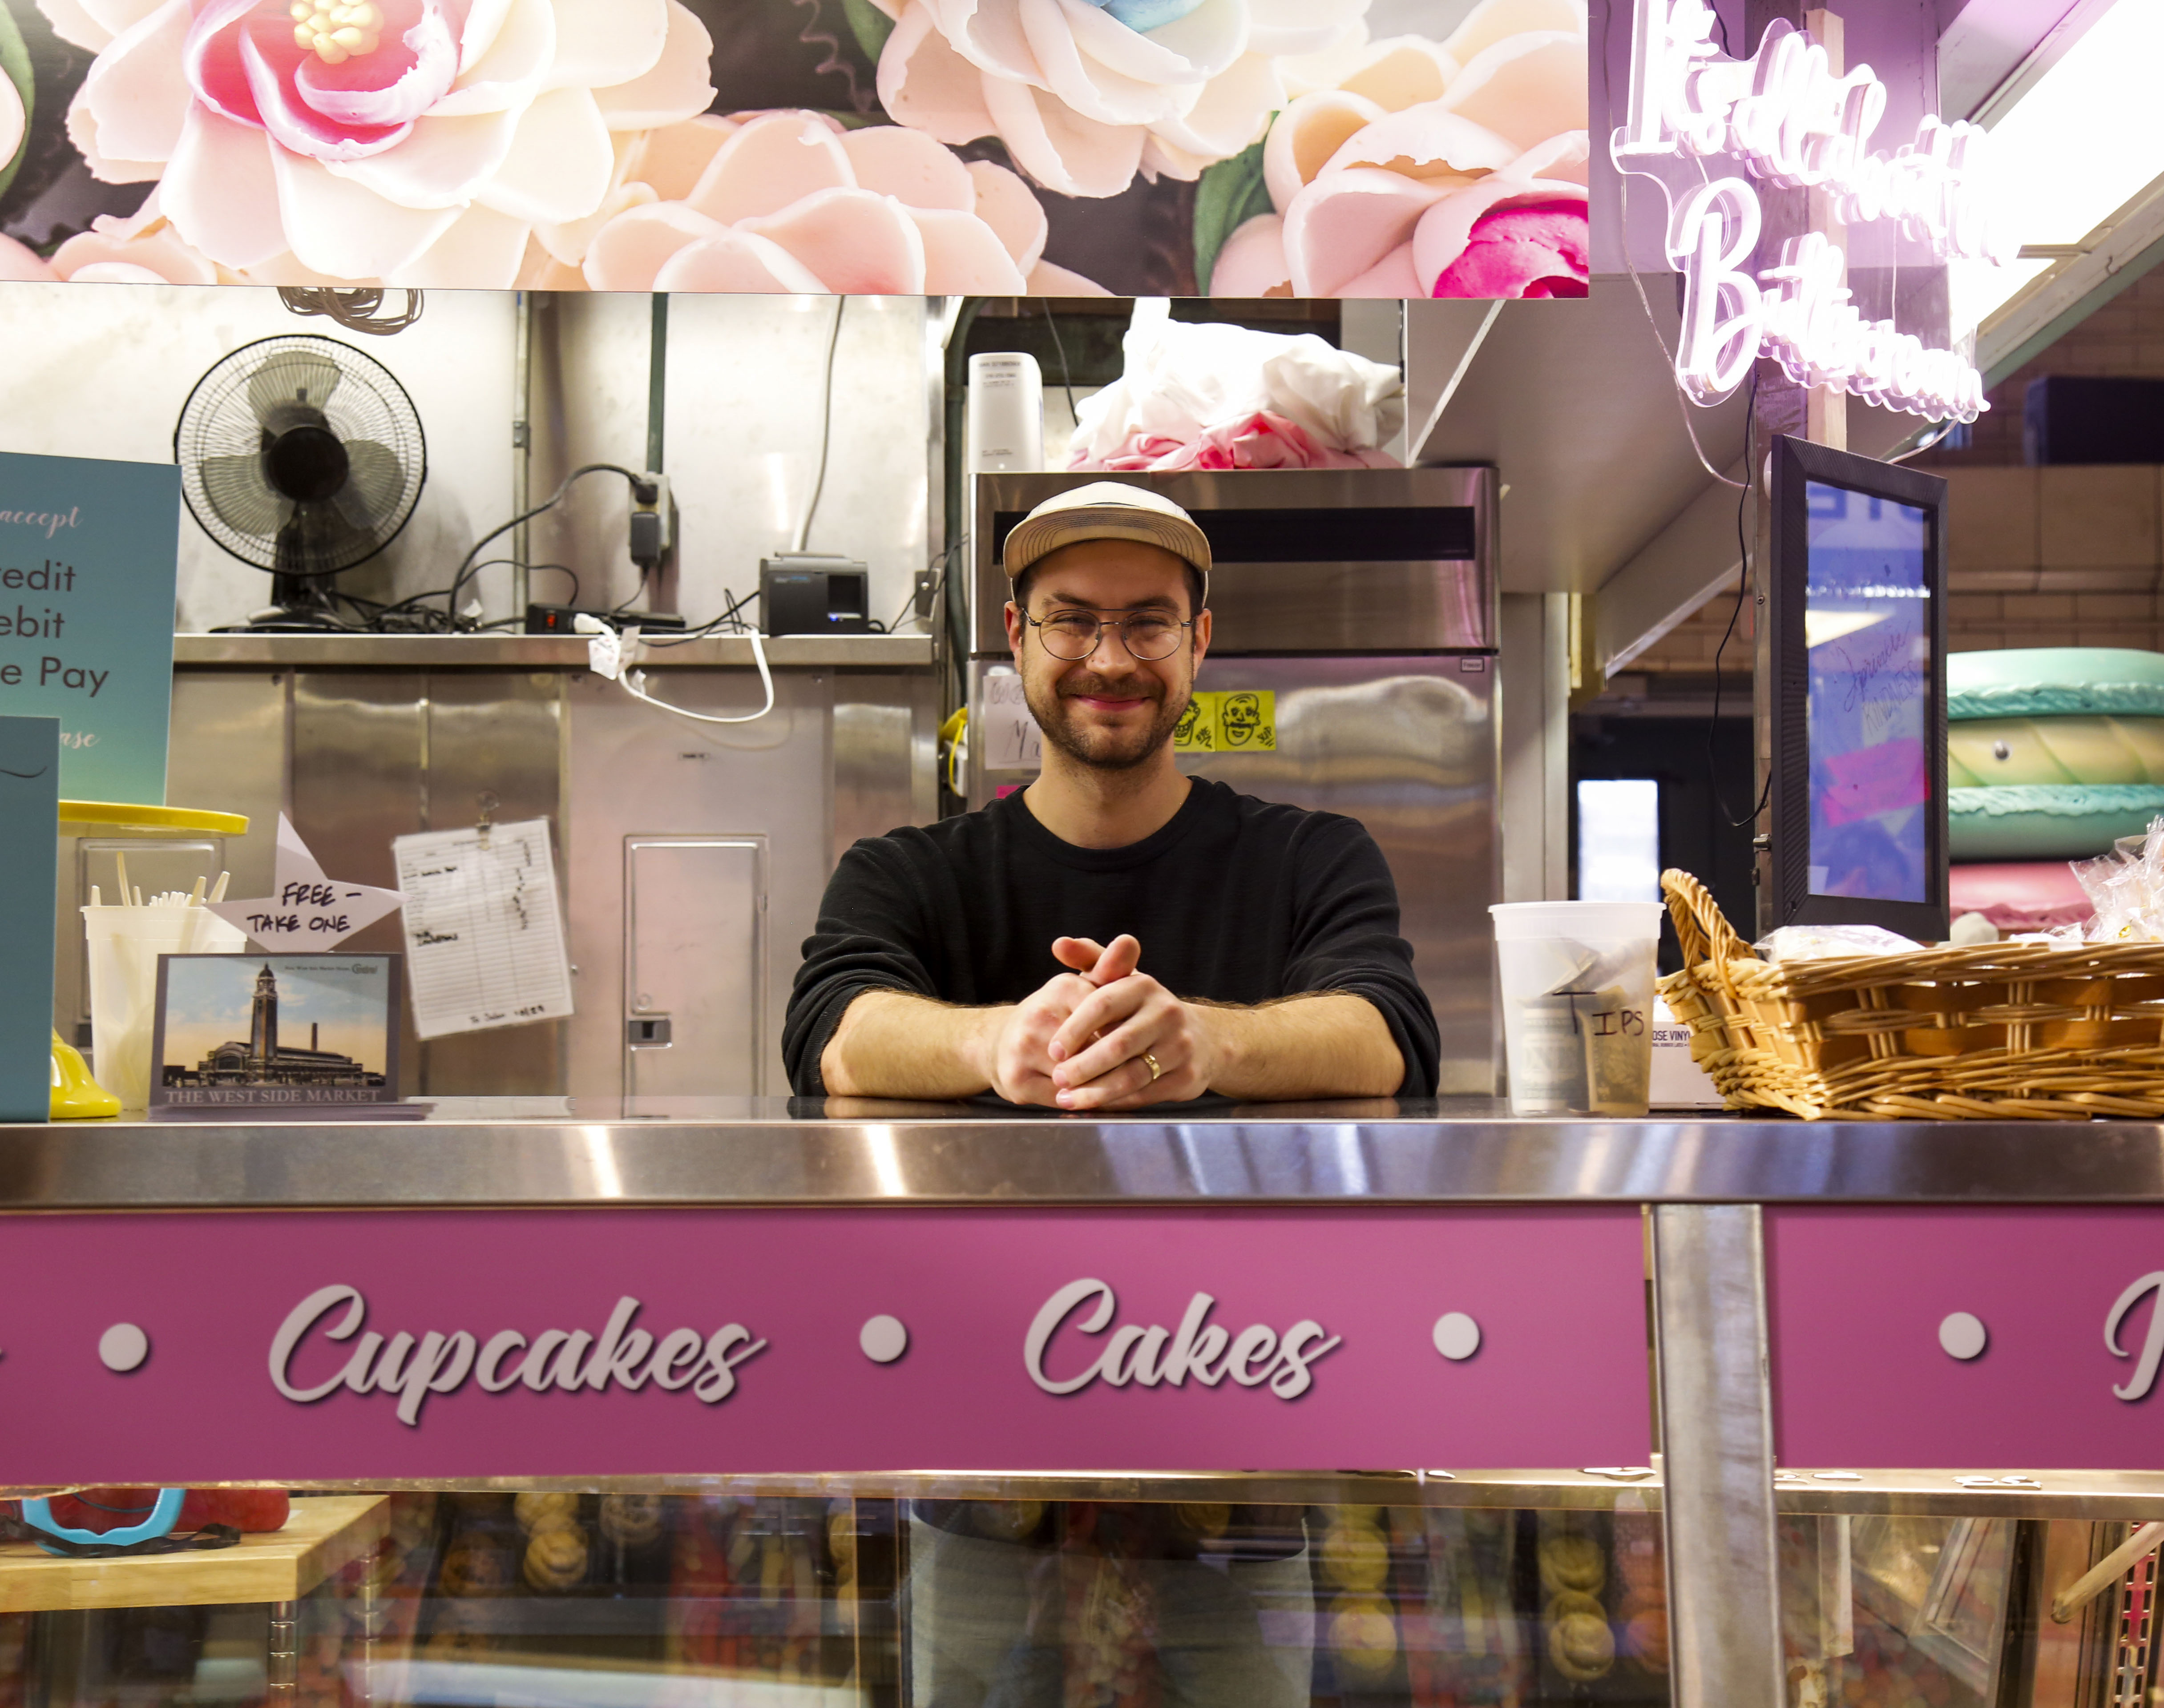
2003 1031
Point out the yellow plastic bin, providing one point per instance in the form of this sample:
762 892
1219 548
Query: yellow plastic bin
76 1095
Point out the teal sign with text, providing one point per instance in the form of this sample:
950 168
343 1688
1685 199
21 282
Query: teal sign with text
29 843
89 552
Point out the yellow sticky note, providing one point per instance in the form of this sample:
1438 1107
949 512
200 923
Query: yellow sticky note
1246 720
1197 732
1229 720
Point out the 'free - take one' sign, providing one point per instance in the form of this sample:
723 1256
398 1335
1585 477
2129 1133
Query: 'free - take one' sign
89 556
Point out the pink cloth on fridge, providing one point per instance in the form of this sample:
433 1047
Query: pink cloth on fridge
2026 896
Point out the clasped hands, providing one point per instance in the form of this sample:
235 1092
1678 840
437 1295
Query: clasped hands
1079 1042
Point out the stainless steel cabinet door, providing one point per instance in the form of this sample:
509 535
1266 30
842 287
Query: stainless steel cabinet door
695 966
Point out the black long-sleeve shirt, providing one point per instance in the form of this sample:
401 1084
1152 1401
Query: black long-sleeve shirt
1235 900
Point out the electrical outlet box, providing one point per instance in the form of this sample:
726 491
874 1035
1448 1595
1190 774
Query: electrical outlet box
653 523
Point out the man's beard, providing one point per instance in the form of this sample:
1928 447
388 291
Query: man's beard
1099 748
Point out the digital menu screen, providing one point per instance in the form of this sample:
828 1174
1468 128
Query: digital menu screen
1867 627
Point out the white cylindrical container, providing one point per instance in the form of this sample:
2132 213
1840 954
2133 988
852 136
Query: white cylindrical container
125 944
1577 1004
1006 414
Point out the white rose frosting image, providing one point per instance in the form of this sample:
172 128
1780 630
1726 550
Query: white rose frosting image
1086 93
1456 170
795 202
324 141
1160 146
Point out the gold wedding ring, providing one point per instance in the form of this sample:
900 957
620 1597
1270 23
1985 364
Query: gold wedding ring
1154 1069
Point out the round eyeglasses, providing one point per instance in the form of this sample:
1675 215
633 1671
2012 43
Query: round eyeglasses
1072 635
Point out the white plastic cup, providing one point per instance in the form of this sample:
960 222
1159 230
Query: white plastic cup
125 944
1577 1004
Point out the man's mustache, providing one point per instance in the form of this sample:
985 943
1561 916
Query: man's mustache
1073 687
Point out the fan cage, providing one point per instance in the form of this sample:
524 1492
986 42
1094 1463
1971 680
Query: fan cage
367 404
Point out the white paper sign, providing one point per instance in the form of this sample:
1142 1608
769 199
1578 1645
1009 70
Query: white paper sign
1010 739
309 911
484 939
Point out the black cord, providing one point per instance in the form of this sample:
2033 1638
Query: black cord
1735 611
1719 23
939 567
618 609
435 621
451 593
728 615
1059 344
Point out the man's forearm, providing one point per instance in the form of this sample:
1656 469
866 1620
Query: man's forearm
893 1044
1331 1046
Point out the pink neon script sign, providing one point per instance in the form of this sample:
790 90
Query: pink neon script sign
1788 118
462 1345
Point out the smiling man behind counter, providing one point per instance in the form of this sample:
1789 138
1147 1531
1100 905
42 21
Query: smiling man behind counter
1211 941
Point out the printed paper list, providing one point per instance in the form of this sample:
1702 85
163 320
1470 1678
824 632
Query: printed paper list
484 939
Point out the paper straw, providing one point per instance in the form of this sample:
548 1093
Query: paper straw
196 895
121 861
217 894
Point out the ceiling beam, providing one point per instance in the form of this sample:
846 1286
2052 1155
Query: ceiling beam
2109 260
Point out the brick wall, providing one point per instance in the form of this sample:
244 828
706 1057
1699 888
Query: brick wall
2058 557
2123 338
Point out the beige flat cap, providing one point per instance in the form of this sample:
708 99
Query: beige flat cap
1105 510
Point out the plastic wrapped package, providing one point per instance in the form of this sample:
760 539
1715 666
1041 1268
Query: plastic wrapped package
1209 396
1832 942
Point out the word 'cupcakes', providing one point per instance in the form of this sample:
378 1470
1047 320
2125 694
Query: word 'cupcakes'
569 1362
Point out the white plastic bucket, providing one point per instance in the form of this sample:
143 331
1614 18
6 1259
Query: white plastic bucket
1577 1004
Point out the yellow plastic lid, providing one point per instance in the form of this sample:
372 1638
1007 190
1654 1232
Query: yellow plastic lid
128 818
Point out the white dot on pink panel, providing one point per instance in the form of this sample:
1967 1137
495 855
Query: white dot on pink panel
122 1347
883 1339
1963 1336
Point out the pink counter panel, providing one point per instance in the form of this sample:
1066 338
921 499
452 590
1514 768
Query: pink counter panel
297 1346
2013 1339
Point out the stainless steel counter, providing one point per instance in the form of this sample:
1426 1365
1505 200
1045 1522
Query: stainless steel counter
655 1151
536 652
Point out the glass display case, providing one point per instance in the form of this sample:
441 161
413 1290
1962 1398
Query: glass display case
1230 1591
975 1412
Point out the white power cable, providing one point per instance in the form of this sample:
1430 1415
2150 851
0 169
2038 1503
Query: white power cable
604 658
826 427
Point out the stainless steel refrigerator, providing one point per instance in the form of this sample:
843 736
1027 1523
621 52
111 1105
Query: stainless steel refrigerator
1353 668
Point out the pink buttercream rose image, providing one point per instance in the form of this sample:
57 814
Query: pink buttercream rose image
141 249
1086 93
1528 249
793 201
324 141
1456 170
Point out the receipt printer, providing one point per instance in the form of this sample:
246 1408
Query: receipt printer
801 595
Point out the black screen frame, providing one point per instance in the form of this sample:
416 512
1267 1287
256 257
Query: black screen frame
1796 463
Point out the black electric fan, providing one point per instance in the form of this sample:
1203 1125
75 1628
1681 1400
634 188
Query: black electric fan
303 457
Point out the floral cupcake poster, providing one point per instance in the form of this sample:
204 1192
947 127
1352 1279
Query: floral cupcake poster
1247 148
